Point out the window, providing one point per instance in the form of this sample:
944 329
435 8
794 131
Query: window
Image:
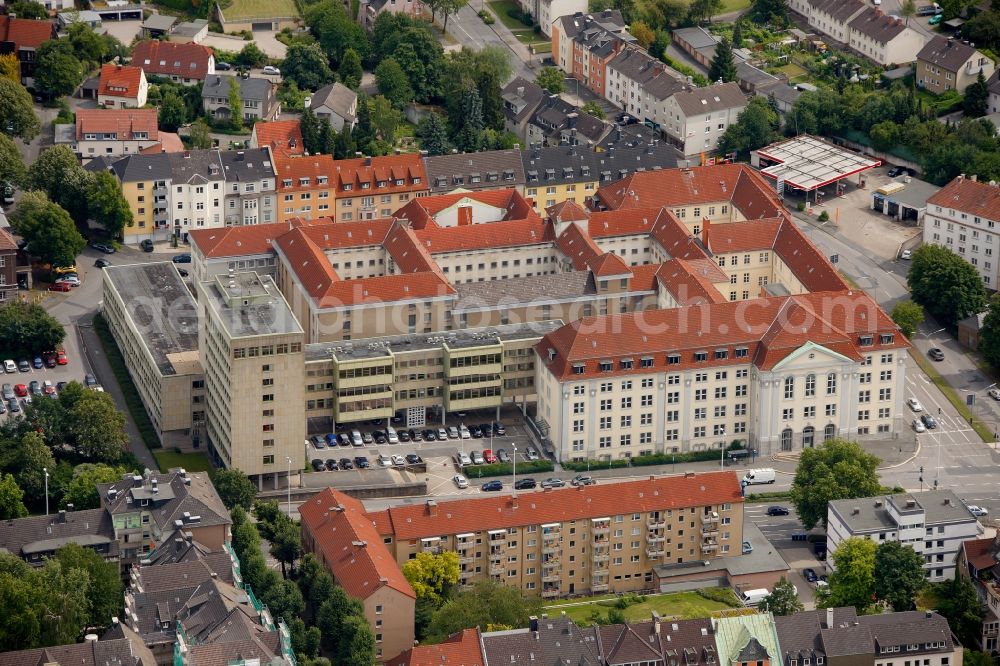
831 383
810 385
788 413
789 387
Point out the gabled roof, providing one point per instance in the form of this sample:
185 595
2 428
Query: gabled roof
461 649
839 10
492 168
338 98
347 542
521 98
35 535
507 233
25 33
283 137
969 196
116 651
125 123
176 497
947 53
716 97
120 81
187 60
879 27
690 282
251 88
421 211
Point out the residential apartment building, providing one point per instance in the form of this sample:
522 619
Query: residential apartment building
556 122
488 170
282 137
831 17
546 11
935 523
520 101
196 191
884 39
145 182
187 63
250 187
337 103
22 37
8 266
122 87
251 352
258 100
993 83
114 132
163 361
584 44
963 217
695 119
950 64
977 561
370 10
126 651
640 85
336 528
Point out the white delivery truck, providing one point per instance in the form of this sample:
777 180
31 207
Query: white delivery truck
754 597
763 475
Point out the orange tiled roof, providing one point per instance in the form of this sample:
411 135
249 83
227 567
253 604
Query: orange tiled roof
415 521
567 211
629 222
643 277
360 569
308 262
122 122
385 289
420 210
578 246
461 649
729 237
673 237
399 173
609 265
805 260
189 61
528 231
979 553
283 137
406 250
24 33
238 241
304 172
689 283
120 80
969 196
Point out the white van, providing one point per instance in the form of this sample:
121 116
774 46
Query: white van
391 435
356 438
764 475
754 597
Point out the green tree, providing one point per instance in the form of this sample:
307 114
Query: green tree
333 612
551 79
172 113
10 68
27 9
200 134
899 574
907 9
837 469
485 603
96 429
393 84
350 70
976 658
343 145
58 70
492 101
11 498
108 206
234 488
27 329
977 97
336 31
958 603
58 173
12 169
286 546
87 44
48 228
384 119
21 628
82 489
594 109
852 582
948 287
105 582
235 101
723 63
27 458
63 602
306 65
433 576
449 7
251 56
433 134
703 10
884 135
643 34
470 134
17 111
908 316
769 11
783 599
738 34
284 599
755 127
364 132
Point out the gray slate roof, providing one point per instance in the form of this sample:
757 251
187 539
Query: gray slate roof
800 634
217 85
696 37
609 19
496 168
113 652
716 97
654 76
248 165
337 97
559 642
171 500
569 164
878 26
839 10
170 576
35 536
909 628
195 166
948 54
136 168
521 98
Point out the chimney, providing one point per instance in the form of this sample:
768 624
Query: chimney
656 623
533 623
464 216
432 508
69 508
973 177
705 226
829 618
520 91
62 515
178 545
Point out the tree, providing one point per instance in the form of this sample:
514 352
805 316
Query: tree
105 584
884 135
769 11
977 97
449 7
594 109
96 428
27 329
470 134
234 488
852 582
284 599
958 602
200 134
11 498
703 10
235 101
27 459
643 34
10 67
48 228
976 658
251 56
783 599
433 134
837 469
173 112
492 102
755 127
27 9
306 65
723 63
363 130
738 34
82 489
286 546
108 206
384 119
343 145
899 574
12 169
350 70
87 45
58 173
433 576
948 287
551 79
17 112
486 603
392 83
58 70
336 31
907 9
908 316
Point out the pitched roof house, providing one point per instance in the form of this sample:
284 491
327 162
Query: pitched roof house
946 63
122 86
182 63
22 37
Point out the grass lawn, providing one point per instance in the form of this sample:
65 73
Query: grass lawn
685 605
793 72
243 9
500 8
734 6
192 462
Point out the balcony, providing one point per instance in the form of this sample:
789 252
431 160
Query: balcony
550 593
709 518
656 523
709 547
551 578
600 557
496 569
654 551
466 558
655 538
598 587
600 531
551 536
599 570
709 532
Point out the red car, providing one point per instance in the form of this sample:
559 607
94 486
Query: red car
489 456
61 357
20 390
61 286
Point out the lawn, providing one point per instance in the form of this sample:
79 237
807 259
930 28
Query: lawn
684 605
733 6
244 9
192 462
500 8
793 72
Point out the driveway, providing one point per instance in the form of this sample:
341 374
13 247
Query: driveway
265 41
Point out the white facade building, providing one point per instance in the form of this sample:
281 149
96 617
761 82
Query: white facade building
696 119
964 216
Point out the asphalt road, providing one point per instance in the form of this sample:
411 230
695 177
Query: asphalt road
469 30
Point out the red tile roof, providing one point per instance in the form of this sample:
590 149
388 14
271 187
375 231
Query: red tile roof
25 33
284 137
308 262
385 289
969 196
188 61
169 142
609 265
979 553
421 211
529 231
806 261
406 170
238 241
567 211
604 224
578 246
304 172
407 252
7 242
415 521
742 236
675 239
461 649
359 569
123 122
690 282
120 80
643 277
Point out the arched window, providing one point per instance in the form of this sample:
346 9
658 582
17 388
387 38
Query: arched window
786 439
829 432
789 387
808 434
810 385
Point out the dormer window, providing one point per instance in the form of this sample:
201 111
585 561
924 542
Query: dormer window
865 340
286 182
366 186
701 356
321 180
399 182
605 366
673 359
508 175
886 338
578 368
382 183
348 187
303 182
550 174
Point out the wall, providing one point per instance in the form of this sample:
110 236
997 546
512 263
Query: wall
390 615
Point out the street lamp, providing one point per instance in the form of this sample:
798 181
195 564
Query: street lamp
514 463
722 452
46 470
288 482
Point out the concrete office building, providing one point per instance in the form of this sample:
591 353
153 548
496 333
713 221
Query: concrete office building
935 523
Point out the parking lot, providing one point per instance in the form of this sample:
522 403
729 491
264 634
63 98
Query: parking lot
800 555
72 371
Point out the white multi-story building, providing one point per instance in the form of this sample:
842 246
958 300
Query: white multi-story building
196 191
884 39
830 17
934 523
696 119
964 217
250 187
640 85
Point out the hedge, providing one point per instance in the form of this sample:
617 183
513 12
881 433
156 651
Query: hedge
506 469
786 495
645 461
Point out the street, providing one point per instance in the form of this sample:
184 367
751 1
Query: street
468 29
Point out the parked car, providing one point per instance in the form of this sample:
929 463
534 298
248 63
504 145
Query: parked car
13 406
747 548
531 454
493 486
503 456
413 459
918 425
498 429
23 365
103 247
38 363
914 405
929 421
49 359
936 19
181 258
318 465
525 484
331 465
429 435
64 270
361 462
583 480
223 66
271 69
35 387
61 286
71 280
399 461
9 367
978 511
366 438
463 459
936 354
7 391
442 434
476 432
906 255
89 380
460 481
553 482
994 393
61 357
346 463
20 390
477 458
489 456
810 574
896 171
453 432
384 460
146 245
777 511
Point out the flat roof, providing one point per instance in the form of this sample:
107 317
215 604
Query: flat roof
161 308
367 348
808 163
914 194
938 506
249 304
511 292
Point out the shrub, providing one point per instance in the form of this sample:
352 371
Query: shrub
527 20
505 469
723 595
824 216
487 17
645 461
800 206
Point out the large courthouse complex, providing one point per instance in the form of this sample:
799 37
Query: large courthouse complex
673 310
